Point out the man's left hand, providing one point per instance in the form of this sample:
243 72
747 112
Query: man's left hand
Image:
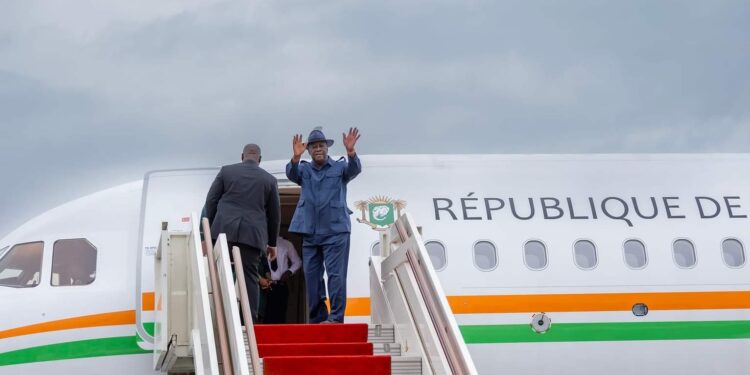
350 140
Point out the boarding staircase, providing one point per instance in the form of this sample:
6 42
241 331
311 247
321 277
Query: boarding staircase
198 329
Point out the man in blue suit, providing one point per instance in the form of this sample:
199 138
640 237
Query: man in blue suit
322 218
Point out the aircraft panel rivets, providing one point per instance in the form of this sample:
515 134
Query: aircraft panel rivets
541 323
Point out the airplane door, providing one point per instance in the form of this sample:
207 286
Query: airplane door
168 197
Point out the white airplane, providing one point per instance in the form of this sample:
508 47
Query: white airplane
624 264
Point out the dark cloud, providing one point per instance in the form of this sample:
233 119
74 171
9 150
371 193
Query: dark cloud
96 94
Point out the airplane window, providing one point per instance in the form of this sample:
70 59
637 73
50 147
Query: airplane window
375 250
535 255
733 253
436 250
485 255
21 267
585 254
684 253
73 262
635 254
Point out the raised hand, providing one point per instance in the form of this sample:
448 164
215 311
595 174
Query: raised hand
298 147
350 140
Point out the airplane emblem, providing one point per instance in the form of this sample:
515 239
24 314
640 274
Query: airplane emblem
380 212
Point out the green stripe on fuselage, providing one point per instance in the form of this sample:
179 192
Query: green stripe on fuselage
473 334
577 332
73 350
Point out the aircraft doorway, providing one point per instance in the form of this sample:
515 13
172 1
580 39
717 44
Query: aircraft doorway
296 311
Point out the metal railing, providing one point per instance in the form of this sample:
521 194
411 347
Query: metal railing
246 311
419 300
198 306
221 325
184 339
205 358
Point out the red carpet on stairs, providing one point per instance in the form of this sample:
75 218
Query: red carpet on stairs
318 349
344 365
310 333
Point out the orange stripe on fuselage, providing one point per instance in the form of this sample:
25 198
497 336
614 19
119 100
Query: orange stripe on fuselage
505 304
359 306
147 301
88 321
491 304
598 302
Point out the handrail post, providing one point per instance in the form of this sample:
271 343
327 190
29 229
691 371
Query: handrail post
385 243
246 311
216 296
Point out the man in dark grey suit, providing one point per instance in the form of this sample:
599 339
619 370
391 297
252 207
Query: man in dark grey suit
243 203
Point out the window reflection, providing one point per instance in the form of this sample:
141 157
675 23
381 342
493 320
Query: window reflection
535 255
375 250
733 253
585 254
73 262
635 254
684 253
436 251
485 255
21 267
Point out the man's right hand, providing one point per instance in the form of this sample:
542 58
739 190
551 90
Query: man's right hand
271 253
298 147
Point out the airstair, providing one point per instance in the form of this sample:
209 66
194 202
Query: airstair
198 305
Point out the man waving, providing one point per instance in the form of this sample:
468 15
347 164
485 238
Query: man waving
322 218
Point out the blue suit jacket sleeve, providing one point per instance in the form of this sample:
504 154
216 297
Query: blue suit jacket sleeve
353 168
292 172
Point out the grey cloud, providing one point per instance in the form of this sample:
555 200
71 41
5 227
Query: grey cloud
97 93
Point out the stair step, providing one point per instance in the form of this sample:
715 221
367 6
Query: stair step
332 349
333 365
310 333
391 349
317 349
406 365
399 366
381 334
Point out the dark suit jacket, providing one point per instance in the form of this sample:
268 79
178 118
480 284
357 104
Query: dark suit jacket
243 203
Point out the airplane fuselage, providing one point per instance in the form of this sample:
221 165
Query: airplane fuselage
551 263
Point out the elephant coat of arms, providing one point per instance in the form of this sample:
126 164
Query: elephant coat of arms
380 212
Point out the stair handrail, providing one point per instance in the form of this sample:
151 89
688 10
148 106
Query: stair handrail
205 359
451 341
246 311
221 326
231 306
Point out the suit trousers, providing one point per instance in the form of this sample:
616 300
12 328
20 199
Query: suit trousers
250 260
329 254
276 304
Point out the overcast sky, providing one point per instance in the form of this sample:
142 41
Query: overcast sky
95 93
